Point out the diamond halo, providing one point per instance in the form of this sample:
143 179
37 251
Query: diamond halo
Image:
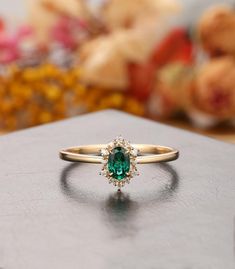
132 155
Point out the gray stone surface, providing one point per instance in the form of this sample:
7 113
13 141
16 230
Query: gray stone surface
57 215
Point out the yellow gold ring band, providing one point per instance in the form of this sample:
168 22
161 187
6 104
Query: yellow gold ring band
146 153
119 158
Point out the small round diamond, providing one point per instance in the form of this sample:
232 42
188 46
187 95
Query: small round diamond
104 152
134 152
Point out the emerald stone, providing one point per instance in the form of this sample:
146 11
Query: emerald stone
119 163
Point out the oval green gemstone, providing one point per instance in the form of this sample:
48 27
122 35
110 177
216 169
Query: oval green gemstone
119 163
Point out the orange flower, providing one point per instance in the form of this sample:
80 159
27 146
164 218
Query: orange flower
216 30
214 91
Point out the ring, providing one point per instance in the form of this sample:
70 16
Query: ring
119 158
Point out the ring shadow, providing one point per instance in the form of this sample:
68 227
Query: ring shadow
164 193
119 209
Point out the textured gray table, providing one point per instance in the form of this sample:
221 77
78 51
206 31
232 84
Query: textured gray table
54 215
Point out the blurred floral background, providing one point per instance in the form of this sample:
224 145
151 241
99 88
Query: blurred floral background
172 61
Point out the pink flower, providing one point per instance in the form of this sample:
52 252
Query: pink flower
8 49
68 32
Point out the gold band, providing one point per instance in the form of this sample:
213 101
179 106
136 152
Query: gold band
146 153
